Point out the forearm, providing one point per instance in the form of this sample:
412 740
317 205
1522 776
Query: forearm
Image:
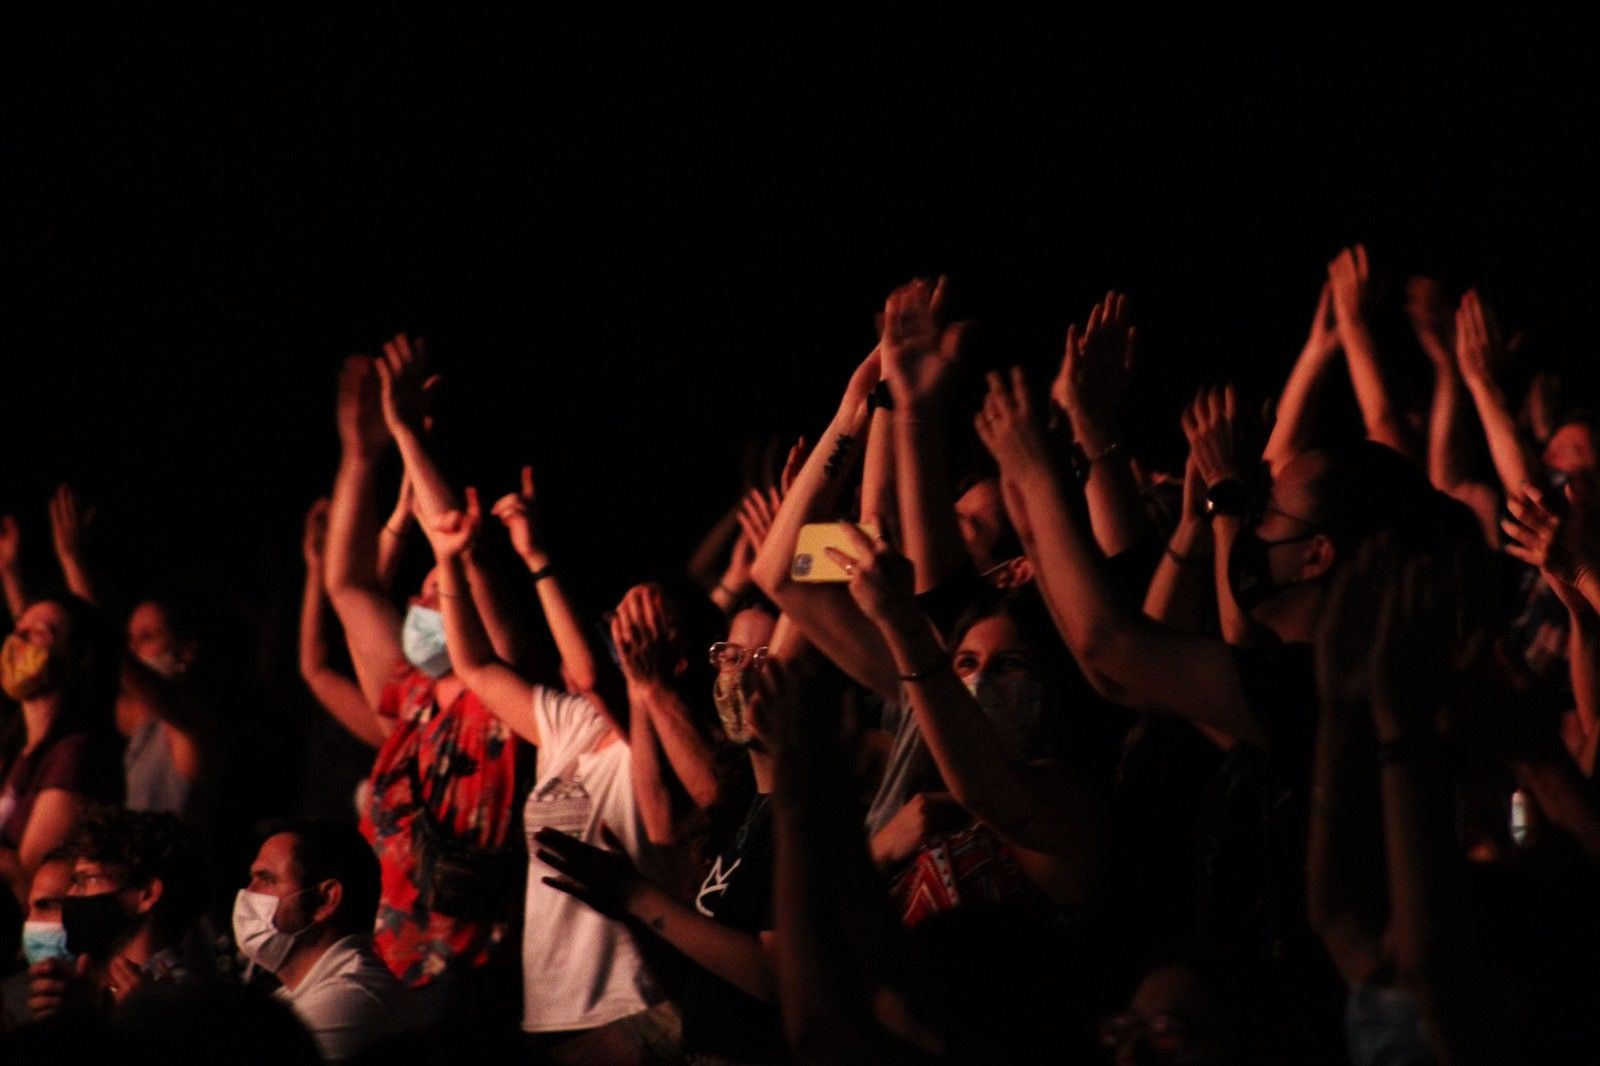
1448 422
566 629
1511 461
1583 646
338 694
77 578
738 958
687 752
811 498
350 557
1346 901
929 531
1237 628
490 601
434 494
1297 406
391 549
466 637
650 791
15 595
1378 413
878 490
1183 578
1116 512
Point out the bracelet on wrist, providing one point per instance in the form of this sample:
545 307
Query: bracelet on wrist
1114 448
547 570
1198 559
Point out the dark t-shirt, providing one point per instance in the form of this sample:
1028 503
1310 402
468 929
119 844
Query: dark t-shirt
1253 823
719 1019
88 763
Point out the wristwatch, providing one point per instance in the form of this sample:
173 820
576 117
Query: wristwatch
1227 497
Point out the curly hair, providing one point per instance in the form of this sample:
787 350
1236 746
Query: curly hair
150 846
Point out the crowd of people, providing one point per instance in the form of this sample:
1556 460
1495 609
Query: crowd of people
967 735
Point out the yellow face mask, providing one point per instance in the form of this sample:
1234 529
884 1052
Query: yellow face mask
26 670
732 702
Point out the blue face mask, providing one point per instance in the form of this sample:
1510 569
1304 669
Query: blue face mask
45 940
422 639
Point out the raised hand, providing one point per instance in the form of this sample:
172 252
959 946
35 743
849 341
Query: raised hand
645 635
920 352
1010 427
10 543
453 532
1096 371
882 581
403 374
792 463
1432 320
1349 280
68 520
1479 348
519 513
314 538
1323 340
1216 442
358 410
602 878
756 513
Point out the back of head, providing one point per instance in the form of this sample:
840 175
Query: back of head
329 851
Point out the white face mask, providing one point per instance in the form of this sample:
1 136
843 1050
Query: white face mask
166 663
262 942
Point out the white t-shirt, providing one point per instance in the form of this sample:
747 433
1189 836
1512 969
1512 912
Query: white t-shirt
579 969
349 999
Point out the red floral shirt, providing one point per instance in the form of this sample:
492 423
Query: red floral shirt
468 762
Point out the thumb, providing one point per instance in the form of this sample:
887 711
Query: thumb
527 482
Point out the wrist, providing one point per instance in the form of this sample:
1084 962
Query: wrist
1192 537
1096 439
536 560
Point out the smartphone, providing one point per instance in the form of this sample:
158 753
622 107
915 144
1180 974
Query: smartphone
811 563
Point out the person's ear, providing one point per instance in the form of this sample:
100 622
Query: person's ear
332 896
1016 573
149 894
1317 558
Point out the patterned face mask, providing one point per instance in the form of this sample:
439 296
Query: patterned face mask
729 694
26 670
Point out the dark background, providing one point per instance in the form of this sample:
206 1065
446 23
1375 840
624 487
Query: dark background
633 251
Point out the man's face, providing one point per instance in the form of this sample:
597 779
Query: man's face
275 873
981 516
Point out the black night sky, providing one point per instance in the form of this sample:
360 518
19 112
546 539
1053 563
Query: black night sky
632 251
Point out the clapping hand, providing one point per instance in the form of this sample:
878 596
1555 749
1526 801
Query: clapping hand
646 636
359 409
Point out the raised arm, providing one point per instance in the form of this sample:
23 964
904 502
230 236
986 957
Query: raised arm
11 567
1091 389
1478 346
920 358
339 695
1035 807
824 615
1348 277
1129 658
650 650
1183 581
1217 444
1297 404
507 694
68 520
350 573
392 538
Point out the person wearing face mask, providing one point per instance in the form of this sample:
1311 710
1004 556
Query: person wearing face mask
442 812
58 664
137 886
43 935
1037 820
306 917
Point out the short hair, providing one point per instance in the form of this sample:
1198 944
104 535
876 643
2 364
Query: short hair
329 851
150 845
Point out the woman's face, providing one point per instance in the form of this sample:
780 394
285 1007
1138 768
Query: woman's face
45 625
994 647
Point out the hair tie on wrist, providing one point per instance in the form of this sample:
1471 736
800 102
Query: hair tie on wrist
1185 560
547 570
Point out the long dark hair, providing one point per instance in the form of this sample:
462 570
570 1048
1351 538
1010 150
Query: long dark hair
89 674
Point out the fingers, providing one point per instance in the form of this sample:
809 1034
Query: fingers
611 838
847 563
527 483
860 543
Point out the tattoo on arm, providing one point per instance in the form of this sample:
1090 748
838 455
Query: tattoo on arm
841 450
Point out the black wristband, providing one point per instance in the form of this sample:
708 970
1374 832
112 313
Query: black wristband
879 397
539 575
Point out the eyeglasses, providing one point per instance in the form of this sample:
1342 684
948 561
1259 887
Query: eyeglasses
82 879
725 655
